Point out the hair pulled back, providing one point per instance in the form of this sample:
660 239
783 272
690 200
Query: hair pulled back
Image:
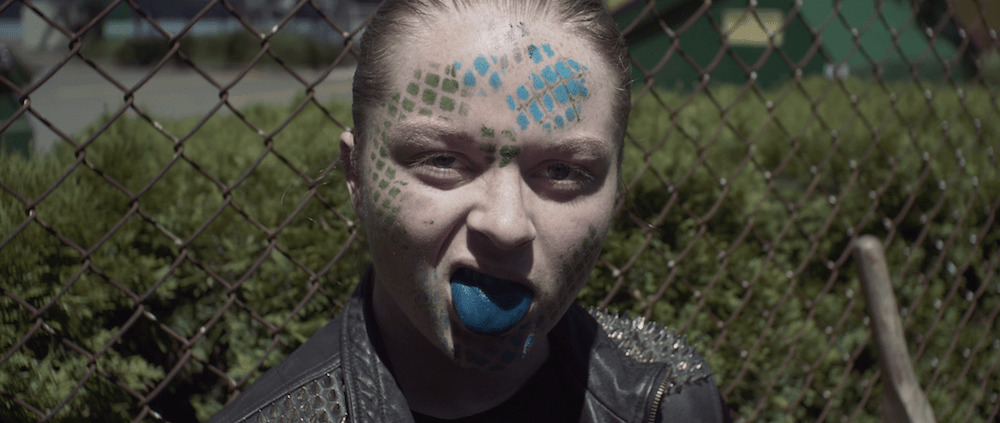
396 19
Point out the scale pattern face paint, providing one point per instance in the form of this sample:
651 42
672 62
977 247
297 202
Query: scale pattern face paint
552 98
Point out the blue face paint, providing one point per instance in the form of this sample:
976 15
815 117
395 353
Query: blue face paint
488 305
559 83
535 111
534 54
548 50
563 71
522 93
536 82
482 66
495 81
570 114
575 89
522 121
561 94
549 75
470 79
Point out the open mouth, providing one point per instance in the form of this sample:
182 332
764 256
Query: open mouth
488 305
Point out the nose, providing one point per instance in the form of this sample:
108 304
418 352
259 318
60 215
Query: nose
501 214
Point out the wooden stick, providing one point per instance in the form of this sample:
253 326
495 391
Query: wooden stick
902 400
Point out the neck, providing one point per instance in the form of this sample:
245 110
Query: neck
432 382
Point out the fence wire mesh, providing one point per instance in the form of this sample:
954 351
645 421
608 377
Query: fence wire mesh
766 136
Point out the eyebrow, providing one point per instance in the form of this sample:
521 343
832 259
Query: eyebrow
427 133
432 133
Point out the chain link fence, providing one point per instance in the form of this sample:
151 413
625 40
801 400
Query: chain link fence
766 137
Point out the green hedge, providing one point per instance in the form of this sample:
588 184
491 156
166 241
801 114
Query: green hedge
776 327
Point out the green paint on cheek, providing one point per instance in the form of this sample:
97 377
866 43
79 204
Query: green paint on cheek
488 132
509 134
447 104
507 154
382 152
429 96
449 86
432 79
380 165
424 111
383 184
394 192
413 88
390 172
408 106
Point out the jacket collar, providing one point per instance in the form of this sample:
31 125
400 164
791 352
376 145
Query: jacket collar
370 389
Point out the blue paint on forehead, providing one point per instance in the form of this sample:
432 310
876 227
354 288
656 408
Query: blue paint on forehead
576 89
549 75
576 66
510 103
495 81
548 102
548 50
522 121
470 79
482 66
522 93
559 121
563 71
536 112
561 94
571 114
536 82
458 65
535 55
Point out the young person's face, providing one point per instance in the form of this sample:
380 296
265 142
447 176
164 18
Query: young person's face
487 184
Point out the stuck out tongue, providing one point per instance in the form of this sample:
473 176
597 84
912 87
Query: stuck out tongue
488 305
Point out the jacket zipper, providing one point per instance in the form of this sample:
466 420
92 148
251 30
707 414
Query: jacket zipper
660 392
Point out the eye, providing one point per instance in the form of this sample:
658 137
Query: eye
559 171
441 168
442 161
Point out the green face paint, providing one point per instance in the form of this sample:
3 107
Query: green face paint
507 154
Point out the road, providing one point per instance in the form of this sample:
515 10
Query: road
76 94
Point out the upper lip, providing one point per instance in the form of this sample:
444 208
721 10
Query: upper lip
495 271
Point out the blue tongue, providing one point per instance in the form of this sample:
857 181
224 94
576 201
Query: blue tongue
488 305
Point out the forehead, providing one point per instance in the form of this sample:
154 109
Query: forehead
526 74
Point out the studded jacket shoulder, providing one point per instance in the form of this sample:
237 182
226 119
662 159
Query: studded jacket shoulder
631 370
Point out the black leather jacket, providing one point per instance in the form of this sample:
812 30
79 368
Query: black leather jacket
626 370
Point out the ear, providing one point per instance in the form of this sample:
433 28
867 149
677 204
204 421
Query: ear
351 173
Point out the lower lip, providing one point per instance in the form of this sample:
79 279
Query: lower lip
488 305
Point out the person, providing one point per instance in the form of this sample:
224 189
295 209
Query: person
485 165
